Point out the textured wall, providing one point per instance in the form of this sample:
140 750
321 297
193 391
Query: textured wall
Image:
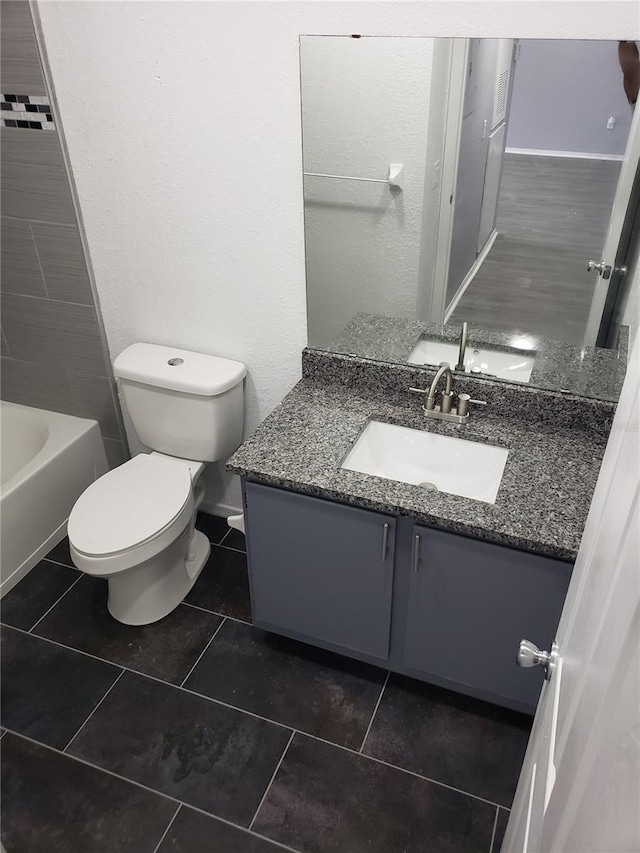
365 104
564 94
53 355
193 205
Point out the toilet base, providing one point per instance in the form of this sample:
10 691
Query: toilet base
149 592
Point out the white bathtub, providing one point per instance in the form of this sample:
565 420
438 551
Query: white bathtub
47 461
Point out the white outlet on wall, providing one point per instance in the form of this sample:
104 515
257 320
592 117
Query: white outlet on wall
611 123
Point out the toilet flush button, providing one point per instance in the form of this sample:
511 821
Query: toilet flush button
174 362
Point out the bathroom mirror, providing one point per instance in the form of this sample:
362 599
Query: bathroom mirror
452 180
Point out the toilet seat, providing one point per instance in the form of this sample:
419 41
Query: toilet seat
132 505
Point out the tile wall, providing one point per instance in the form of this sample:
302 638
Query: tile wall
53 356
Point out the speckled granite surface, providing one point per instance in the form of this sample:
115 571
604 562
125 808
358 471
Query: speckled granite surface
544 495
586 371
533 405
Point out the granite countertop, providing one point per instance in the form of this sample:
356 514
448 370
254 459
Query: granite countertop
587 371
542 502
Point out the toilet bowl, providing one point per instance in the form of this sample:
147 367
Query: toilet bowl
135 525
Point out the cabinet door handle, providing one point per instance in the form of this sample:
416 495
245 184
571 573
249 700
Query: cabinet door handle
416 554
385 541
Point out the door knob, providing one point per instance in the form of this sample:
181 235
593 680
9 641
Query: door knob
601 268
530 655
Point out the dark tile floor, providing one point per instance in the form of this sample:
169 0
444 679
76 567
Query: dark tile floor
201 733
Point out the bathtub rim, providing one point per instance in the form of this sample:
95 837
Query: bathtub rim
59 437
86 432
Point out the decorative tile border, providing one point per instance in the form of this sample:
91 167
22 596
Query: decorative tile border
30 112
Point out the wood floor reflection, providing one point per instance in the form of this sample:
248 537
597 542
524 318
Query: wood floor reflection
553 215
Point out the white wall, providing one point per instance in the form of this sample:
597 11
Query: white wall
564 94
365 104
183 126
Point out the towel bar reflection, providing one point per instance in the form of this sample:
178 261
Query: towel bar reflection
395 180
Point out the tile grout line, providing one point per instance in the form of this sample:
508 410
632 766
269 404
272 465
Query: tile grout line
56 602
169 825
58 563
35 246
44 298
375 711
43 221
265 719
211 639
215 613
280 844
493 834
151 677
86 763
401 769
228 531
118 677
268 788
229 548
144 787
260 717
6 346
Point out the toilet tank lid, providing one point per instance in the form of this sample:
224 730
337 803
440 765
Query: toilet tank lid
178 369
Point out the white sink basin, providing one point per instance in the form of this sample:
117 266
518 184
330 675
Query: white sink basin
504 365
453 465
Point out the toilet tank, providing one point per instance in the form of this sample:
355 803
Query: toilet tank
182 403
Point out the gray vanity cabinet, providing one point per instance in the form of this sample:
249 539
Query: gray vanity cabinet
320 570
445 608
469 605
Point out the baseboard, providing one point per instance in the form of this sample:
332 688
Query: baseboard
466 281
223 510
577 155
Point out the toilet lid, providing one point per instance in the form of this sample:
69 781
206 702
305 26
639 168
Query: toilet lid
129 505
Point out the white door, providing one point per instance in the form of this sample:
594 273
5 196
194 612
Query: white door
497 137
618 213
474 138
579 790
491 189
477 109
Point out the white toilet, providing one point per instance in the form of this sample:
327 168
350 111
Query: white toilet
135 525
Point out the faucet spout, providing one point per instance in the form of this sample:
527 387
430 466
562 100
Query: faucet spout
463 346
443 370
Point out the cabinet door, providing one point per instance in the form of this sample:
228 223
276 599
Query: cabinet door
319 569
470 604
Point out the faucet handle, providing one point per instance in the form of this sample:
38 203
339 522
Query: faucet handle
463 403
429 402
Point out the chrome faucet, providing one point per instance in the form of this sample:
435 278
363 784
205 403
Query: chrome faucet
463 347
447 394
446 411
